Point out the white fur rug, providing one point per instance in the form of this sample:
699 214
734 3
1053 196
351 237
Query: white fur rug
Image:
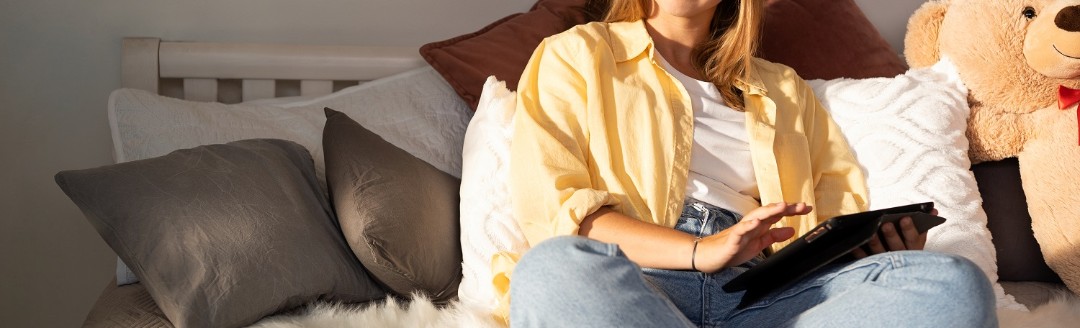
1062 311
418 313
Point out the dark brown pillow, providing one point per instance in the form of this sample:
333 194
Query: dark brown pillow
821 39
502 48
223 235
1019 257
399 213
826 39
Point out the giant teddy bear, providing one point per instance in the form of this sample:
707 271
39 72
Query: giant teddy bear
1020 60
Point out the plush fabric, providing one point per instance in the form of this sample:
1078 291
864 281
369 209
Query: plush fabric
223 235
908 134
826 39
398 212
1014 61
419 312
488 227
1034 294
502 48
1052 307
416 111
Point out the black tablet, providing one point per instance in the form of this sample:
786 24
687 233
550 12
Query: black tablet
824 244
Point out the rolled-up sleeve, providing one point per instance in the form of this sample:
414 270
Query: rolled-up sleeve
551 186
839 182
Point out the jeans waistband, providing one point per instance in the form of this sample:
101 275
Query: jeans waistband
694 207
702 219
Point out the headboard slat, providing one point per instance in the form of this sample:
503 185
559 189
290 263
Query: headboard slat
200 89
257 89
316 88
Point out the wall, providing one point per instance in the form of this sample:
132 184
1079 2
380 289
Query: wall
60 59
890 17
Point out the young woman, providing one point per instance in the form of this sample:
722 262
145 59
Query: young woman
644 149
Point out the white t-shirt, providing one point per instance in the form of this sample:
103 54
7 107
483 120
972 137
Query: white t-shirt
721 171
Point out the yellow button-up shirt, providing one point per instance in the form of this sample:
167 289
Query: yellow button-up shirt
600 123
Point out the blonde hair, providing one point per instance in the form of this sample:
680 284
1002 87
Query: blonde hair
728 53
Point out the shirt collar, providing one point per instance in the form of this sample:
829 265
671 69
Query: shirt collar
630 39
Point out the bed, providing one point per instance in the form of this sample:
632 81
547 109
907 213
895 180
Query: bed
424 105
242 91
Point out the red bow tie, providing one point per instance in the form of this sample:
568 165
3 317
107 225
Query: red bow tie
1067 97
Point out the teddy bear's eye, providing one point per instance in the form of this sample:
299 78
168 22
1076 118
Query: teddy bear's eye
1029 12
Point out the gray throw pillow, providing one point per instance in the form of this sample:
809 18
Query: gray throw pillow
399 213
223 235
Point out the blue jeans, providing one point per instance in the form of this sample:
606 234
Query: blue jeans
574 281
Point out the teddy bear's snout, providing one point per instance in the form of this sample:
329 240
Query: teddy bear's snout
1068 19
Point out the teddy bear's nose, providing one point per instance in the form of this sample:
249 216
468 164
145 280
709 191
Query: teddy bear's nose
1068 19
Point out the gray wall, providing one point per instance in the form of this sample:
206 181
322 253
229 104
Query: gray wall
59 59
890 17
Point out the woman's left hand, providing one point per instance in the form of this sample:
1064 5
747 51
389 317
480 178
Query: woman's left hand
907 238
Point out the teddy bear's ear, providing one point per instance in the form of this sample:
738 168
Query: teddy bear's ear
921 41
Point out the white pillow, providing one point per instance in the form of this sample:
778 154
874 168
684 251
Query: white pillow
487 223
907 132
416 111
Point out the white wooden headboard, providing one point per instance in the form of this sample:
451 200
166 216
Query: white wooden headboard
236 72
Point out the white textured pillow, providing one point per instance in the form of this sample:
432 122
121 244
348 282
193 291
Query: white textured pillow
907 132
416 111
487 223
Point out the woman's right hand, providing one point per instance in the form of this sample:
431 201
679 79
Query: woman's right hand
741 242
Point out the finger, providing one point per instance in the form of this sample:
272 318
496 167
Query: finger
875 245
770 237
744 231
933 211
892 238
751 229
858 253
767 211
755 229
911 234
921 241
799 208
776 211
775 235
